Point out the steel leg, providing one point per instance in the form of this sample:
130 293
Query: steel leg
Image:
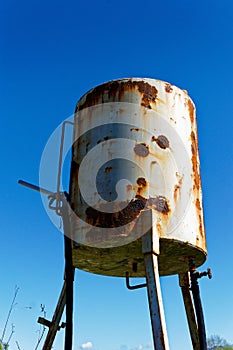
184 283
150 248
69 273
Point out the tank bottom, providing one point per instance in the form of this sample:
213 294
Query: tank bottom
173 259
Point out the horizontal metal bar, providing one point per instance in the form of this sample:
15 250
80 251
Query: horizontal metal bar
34 187
44 321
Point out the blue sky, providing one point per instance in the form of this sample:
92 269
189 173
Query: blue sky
52 52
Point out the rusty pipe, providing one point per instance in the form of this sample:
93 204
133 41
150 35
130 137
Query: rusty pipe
198 308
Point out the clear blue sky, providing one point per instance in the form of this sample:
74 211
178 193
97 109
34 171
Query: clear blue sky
52 52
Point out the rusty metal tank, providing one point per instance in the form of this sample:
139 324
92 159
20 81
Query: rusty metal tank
135 167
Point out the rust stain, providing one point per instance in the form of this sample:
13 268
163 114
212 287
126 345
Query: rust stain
141 181
201 228
108 169
191 109
162 141
132 209
141 149
159 229
195 163
177 187
149 93
134 129
198 204
115 91
73 177
168 88
176 192
142 185
153 139
159 203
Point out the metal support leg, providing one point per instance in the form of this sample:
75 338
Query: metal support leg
150 248
69 271
195 275
184 283
69 275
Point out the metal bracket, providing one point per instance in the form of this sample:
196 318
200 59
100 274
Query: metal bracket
49 324
136 286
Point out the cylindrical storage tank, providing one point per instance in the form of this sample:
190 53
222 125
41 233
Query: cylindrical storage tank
135 168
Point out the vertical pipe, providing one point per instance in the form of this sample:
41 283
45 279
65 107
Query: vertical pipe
198 307
185 289
69 276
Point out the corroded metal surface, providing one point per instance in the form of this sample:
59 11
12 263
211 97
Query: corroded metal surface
123 91
173 258
159 120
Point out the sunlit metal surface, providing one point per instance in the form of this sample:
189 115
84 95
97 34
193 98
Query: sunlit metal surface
136 149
